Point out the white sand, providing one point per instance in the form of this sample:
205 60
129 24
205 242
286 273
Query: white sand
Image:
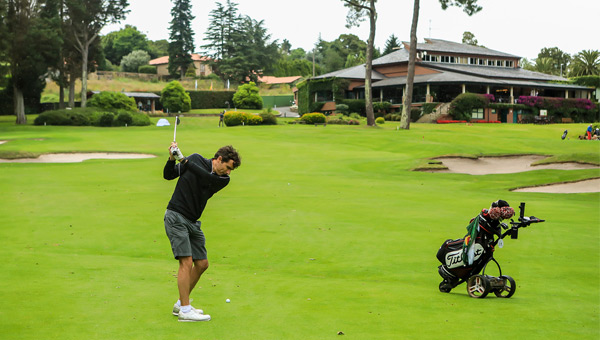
590 185
75 157
504 165
514 164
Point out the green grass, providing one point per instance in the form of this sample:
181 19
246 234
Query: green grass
322 229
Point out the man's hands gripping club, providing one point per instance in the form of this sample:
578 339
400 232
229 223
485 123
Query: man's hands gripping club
175 153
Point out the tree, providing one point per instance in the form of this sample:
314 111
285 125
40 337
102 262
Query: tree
544 65
247 97
31 28
585 63
469 39
181 37
86 19
239 46
174 98
133 60
559 60
391 44
469 6
222 31
526 64
120 43
158 48
358 10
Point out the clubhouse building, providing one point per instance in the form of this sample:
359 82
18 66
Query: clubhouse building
443 70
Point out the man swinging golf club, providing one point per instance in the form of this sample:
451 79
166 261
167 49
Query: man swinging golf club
199 179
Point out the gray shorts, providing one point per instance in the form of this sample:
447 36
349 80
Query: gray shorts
186 237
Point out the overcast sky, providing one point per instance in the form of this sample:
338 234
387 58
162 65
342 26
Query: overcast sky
519 27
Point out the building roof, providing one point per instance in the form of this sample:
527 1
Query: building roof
355 72
492 71
453 77
165 59
398 56
278 80
441 46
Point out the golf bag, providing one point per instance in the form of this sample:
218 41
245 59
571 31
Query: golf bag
463 259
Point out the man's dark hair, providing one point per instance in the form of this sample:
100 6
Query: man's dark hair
228 153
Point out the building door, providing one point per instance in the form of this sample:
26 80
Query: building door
503 115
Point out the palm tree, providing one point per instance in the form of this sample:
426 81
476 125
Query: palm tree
585 63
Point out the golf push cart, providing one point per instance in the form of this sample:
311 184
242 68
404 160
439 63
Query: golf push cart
463 259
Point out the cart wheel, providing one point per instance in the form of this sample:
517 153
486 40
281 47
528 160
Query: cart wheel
478 286
509 287
445 287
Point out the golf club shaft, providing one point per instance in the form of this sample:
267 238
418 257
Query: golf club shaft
175 132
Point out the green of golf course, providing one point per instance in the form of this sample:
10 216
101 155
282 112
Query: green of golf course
322 230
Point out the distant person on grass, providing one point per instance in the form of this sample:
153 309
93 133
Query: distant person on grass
199 179
221 115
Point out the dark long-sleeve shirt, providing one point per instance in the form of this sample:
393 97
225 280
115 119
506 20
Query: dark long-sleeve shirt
195 186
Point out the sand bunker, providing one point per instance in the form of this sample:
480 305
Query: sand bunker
2 141
589 185
75 157
504 165
514 164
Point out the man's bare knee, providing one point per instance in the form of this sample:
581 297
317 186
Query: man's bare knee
186 261
201 264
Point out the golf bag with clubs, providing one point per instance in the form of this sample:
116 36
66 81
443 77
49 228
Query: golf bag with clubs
464 259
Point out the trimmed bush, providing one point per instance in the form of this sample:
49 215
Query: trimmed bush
140 119
112 101
268 118
235 118
174 98
462 106
379 120
91 116
123 119
147 69
355 105
340 119
313 118
247 97
57 117
106 119
342 108
381 108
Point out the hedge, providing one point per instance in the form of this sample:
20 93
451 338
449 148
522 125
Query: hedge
211 99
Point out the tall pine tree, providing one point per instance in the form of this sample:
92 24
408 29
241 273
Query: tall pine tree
239 45
181 44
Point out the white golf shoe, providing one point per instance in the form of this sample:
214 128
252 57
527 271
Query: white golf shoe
177 308
192 316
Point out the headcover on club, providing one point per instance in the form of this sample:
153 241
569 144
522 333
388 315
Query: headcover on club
501 210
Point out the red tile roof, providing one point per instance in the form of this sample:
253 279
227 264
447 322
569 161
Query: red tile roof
278 80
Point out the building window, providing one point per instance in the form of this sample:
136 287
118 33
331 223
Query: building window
500 63
477 114
482 62
445 59
473 61
490 62
509 63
